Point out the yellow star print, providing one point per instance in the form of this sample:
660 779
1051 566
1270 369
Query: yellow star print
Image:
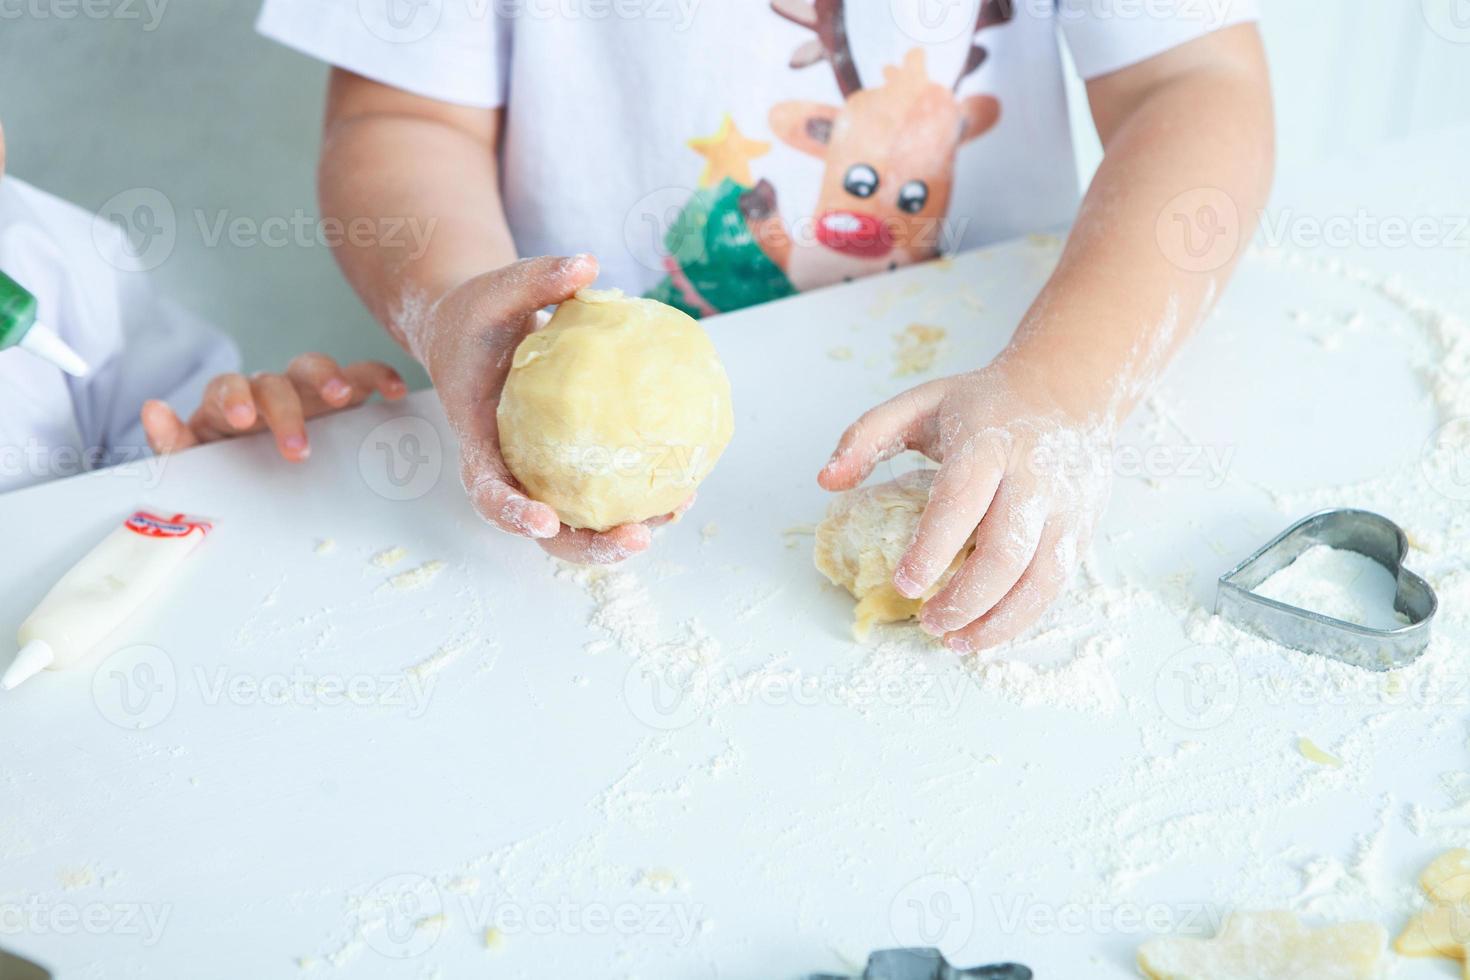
728 154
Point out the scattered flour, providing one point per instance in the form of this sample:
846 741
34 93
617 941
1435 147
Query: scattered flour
80 877
417 578
917 348
1181 798
660 881
440 659
793 535
389 557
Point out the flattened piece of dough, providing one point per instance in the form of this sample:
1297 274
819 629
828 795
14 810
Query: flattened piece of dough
859 543
1447 879
1268 946
1441 930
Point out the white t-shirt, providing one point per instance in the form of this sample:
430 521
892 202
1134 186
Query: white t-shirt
716 154
139 345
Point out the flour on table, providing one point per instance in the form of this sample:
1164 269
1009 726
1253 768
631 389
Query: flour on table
661 881
389 557
792 535
918 347
80 877
417 578
463 885
1338 583
440 659
1214 799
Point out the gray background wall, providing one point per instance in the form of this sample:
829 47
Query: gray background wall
200 108
216 118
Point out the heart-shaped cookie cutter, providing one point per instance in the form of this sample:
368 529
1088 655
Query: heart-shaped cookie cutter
919 963
1362 531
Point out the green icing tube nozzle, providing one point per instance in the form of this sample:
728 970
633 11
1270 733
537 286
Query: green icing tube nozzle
18 328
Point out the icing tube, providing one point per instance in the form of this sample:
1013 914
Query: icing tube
103 589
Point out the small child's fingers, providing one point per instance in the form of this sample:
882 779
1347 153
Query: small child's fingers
673 515
493 497
280 406
370 376
585 547
881 433
228 404
962 491
1038 588
526 286
166 432
1005 544
319 378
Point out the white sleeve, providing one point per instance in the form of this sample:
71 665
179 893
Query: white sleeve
167 353
441 49
1107 36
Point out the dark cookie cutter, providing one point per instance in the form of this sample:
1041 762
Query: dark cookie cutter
1362 531
927 964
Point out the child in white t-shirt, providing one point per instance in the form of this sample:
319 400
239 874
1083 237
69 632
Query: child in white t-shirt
722 154
145 353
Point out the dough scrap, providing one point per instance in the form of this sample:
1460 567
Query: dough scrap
865 533
615 411
1313 752
1447 879
1440 930
1443 929
1268 946
918 347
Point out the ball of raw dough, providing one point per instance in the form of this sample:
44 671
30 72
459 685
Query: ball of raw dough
865 533
615 411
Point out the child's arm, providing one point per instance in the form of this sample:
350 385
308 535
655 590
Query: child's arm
460 302
233 405
1025 443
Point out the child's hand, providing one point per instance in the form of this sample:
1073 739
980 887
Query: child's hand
234 405
1024 476
466 341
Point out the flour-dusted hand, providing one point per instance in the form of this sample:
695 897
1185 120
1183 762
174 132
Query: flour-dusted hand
1022 476
234 405
466 341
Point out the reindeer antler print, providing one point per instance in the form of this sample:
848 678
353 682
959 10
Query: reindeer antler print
825 17
991 14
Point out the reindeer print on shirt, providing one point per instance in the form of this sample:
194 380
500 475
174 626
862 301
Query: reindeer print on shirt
887 152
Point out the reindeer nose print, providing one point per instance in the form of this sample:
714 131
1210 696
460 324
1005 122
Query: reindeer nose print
913 196
859 235
860 180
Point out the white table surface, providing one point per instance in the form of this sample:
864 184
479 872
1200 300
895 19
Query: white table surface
787 819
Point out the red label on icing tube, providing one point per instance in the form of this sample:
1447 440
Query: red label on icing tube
154 526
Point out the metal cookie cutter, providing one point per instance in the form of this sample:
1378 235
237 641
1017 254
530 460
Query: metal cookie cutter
927 964
1362 531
